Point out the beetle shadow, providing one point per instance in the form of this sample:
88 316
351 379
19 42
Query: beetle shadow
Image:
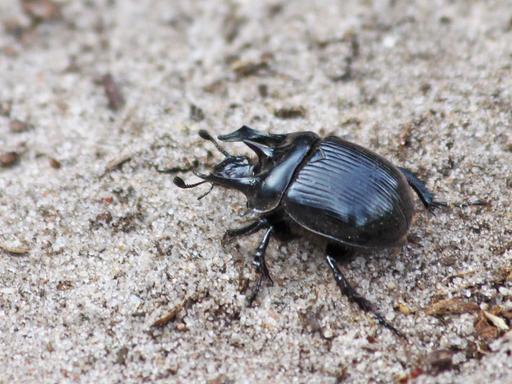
343 254
381 258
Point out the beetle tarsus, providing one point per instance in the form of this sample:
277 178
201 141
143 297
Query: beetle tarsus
354 296
426 197
477 203
255 291
436 205
261 266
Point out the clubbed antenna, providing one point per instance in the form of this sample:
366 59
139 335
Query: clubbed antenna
206 136
178 181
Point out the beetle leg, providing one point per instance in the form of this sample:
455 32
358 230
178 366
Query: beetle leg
426 197
246 230
355 297
259 262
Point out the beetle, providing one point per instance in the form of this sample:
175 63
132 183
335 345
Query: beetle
335 190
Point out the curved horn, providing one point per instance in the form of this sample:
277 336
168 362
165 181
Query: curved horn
248 133
262 151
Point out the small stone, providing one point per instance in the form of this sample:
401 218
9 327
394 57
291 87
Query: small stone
8 159
328 333
121 355
54 163
18 126
196 113
404 309
181 327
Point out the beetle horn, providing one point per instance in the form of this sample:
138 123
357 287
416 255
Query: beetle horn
206 136
263 151
248 133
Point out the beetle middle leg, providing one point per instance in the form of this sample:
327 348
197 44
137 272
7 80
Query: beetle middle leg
426 197
352 294
259 257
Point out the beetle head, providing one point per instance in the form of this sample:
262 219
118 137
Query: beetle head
236 172
233 167
263 181
268 147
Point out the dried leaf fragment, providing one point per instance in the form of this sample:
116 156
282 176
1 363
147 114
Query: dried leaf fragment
5 106
172 313
497 321
18 126
168 317
64 285
248 68
451 307
113 92
41 10
15 250
117 162
405 135
290 112
440 360
485 330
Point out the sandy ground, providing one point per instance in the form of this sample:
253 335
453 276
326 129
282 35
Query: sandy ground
97 246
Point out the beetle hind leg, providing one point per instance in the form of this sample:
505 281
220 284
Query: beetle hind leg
261 266
426 197
353 295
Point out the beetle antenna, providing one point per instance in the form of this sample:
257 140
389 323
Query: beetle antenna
206 193
206 136
178 181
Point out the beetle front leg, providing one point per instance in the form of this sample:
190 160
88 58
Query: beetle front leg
426 197
354 296
247 230
261 266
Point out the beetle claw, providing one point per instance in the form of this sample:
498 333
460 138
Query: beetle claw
227 238
380 319
434 205
263 276
255 291
479 203
438 204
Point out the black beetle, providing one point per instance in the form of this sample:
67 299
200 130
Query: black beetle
339 191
